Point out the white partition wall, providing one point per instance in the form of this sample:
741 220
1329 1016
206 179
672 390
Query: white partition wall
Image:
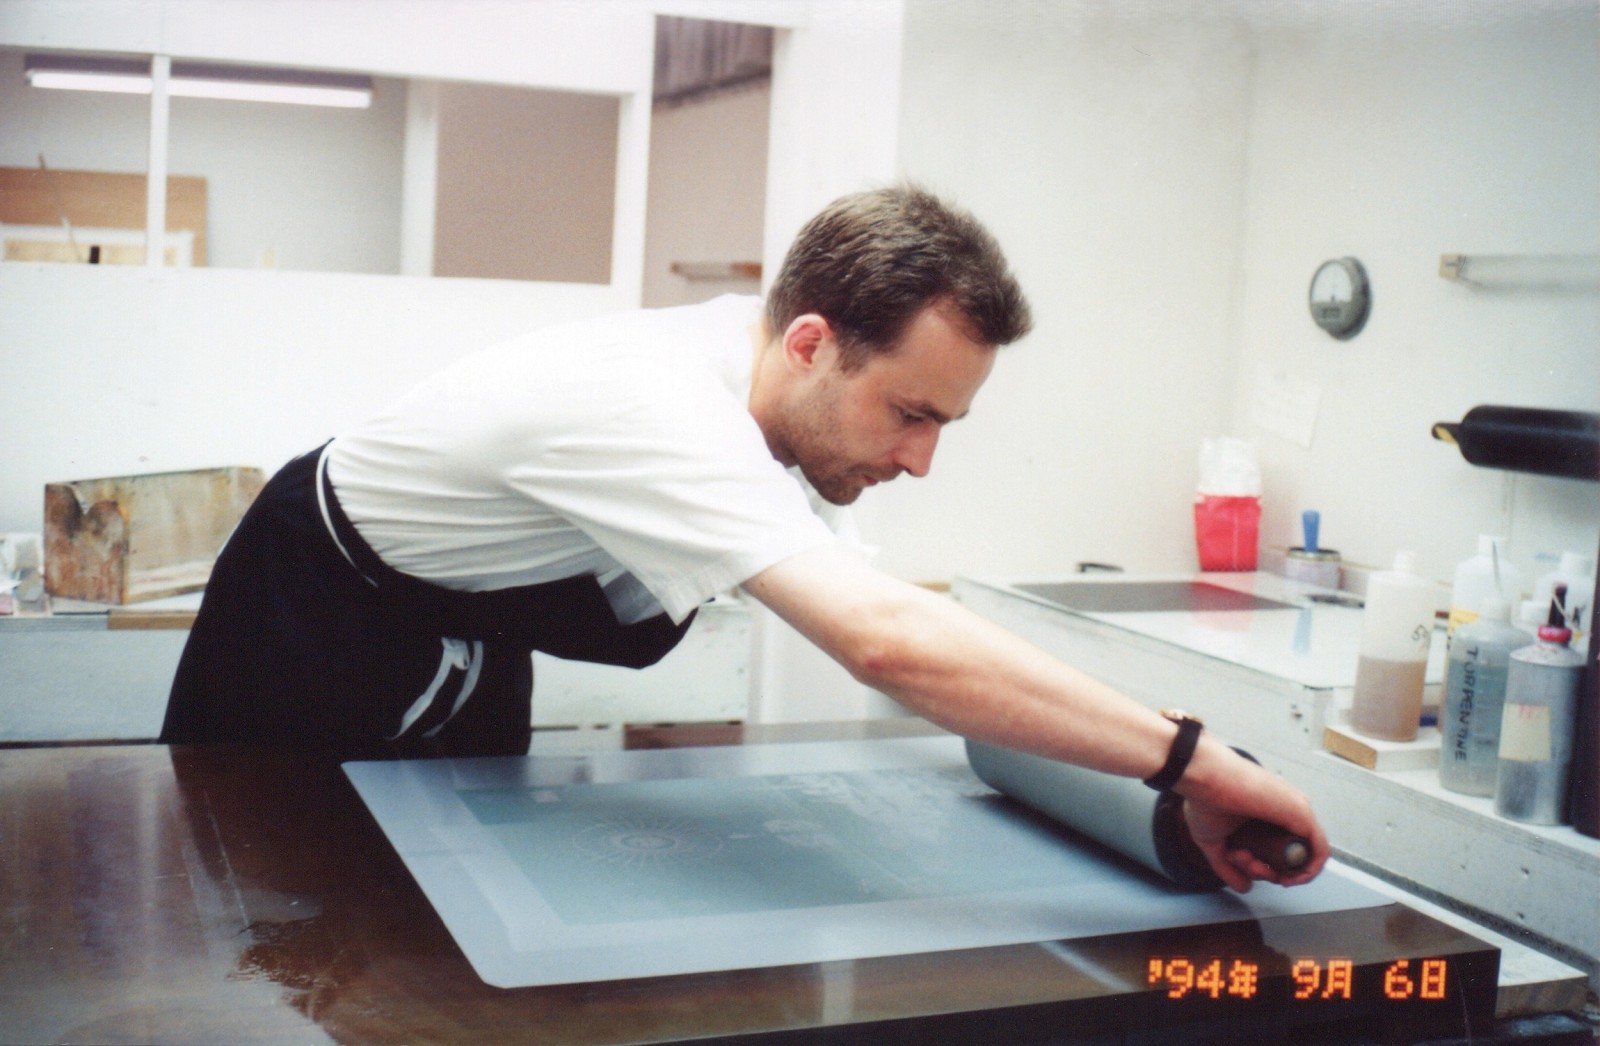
140 372
125 371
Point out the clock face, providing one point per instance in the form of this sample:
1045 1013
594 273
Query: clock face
1332 285
1339 297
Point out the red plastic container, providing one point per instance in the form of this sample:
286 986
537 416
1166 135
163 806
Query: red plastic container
1227 531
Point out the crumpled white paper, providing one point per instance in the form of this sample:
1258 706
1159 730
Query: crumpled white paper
1229 468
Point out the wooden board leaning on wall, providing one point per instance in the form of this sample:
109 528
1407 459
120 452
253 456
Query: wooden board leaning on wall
93 200
128 539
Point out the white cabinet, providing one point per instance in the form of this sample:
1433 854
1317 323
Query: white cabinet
705 679
81 677
70 678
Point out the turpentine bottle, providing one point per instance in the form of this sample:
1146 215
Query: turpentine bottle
1474 698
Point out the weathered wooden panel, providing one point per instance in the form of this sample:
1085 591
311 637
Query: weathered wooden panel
125 539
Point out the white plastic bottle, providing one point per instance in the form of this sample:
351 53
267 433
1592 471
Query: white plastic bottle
1576 571
1531 617
1474 696
1396 630
1489 573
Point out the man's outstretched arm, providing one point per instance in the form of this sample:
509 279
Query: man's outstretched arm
977 680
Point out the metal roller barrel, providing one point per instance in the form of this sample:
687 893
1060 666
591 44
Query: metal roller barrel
1122 813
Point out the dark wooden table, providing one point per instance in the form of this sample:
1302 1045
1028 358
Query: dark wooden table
219 895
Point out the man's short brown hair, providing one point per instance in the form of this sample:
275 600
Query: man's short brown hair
872 261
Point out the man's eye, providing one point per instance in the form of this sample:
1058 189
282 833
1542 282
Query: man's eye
910 418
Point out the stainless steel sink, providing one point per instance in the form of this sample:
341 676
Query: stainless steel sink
1127 597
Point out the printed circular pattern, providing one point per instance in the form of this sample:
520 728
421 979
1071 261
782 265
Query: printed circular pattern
646 841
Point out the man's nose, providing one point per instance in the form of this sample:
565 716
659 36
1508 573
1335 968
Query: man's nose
915 452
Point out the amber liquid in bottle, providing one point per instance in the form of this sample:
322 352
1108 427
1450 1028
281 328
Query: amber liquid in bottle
1391 698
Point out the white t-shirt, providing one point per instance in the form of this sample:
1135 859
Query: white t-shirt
621 447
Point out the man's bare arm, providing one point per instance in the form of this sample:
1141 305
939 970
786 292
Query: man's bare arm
975 679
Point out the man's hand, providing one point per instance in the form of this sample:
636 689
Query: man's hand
1224 791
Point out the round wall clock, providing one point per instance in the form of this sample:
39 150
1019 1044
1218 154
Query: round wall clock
1340 297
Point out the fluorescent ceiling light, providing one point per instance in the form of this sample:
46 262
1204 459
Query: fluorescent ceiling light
200 80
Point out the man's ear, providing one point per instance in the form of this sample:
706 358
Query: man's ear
804 339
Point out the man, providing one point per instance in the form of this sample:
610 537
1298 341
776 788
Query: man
582 489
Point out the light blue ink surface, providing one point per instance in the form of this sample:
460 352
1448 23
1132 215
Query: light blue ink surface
575 869
706 846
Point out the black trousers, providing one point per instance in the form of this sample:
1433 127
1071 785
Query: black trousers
307 641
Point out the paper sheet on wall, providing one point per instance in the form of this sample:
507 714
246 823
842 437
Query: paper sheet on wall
634 864
1285 405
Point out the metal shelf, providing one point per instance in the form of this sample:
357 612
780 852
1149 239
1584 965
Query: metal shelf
1579 272
699 272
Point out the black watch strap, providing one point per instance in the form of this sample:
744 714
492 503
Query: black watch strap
1179 754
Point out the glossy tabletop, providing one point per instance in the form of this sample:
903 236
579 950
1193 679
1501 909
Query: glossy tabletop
204 895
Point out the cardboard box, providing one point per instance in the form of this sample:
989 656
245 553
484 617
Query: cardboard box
126 539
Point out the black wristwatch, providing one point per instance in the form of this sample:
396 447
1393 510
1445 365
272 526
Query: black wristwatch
1180 753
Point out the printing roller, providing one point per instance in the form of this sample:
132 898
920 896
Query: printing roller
1126 815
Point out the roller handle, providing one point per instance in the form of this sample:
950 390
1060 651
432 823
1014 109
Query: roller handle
1279 849
1182 861
1275 846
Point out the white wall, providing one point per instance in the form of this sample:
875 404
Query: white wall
1105 147
834 130
835 110
112 371
295 187
1166 176
1397 137
175 370
576 44
115 372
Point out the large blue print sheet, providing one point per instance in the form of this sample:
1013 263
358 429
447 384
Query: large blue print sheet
630 864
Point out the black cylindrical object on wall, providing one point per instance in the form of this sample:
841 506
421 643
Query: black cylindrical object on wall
1564 443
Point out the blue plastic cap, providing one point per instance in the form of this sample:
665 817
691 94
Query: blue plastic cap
1311 520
